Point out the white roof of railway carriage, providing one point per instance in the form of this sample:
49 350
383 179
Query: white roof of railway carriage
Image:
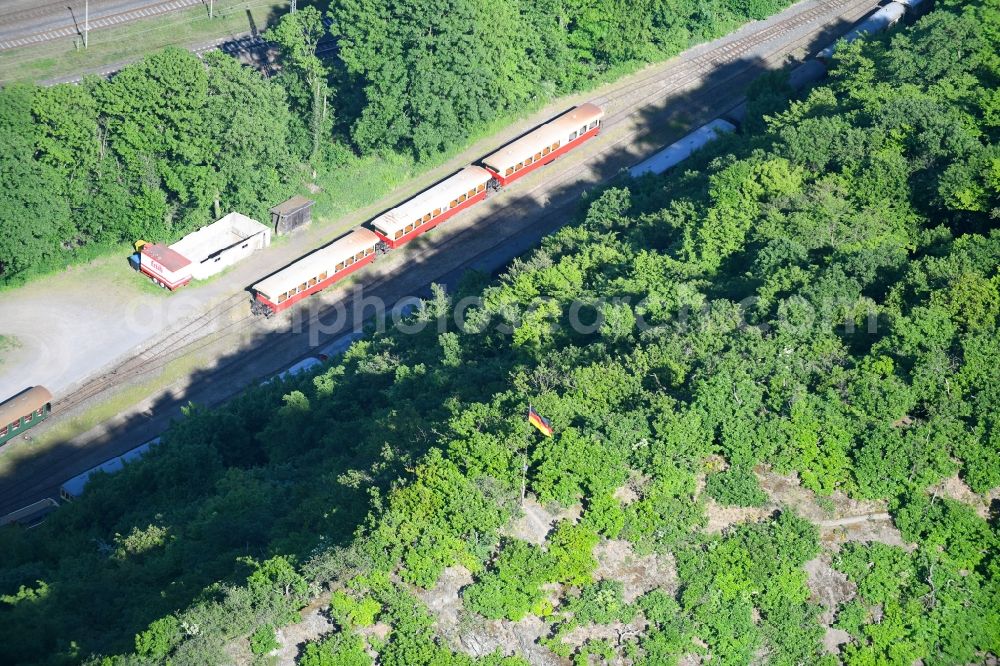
323 259
78 483
578 117
552 131
683 148
438 196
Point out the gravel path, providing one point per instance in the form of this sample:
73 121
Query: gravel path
67 327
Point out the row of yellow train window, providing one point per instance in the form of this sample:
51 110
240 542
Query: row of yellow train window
531 160
548 149
312 282
420 221
437 211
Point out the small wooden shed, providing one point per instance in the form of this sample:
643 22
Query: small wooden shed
291 214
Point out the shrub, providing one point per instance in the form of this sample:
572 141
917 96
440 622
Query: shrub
736 486
264 640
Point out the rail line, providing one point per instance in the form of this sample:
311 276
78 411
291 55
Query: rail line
142 363
101 21
181 340
38 11
706 63
647 100
150 361
737 48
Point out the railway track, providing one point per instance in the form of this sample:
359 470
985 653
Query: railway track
636 95
73 24
249 48
727 53
154 357
38 11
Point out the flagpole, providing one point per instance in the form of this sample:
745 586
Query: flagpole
524 461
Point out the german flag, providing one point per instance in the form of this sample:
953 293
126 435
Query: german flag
539 422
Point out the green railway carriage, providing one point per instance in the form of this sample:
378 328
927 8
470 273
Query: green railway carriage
25 410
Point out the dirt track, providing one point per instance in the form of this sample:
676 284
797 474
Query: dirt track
854 520
644 112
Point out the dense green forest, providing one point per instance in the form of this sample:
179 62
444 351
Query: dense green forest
817 297
173 141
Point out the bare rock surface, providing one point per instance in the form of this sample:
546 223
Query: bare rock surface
616 633
787 491
292 638
834 638
829 588
721 516
477 636
616 560
629 493
954 488
536 521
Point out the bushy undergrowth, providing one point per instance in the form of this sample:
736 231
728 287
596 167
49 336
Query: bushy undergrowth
820 298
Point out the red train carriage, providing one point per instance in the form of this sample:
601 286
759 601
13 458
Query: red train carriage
316 271
23 411
432 207
425 211
544 144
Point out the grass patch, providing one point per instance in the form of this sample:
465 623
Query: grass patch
106 264
130 41
115 269
348 190
8 343
94 255
359 183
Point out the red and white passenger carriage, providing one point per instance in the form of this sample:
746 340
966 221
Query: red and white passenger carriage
541 146
317 270
398 226
432 206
